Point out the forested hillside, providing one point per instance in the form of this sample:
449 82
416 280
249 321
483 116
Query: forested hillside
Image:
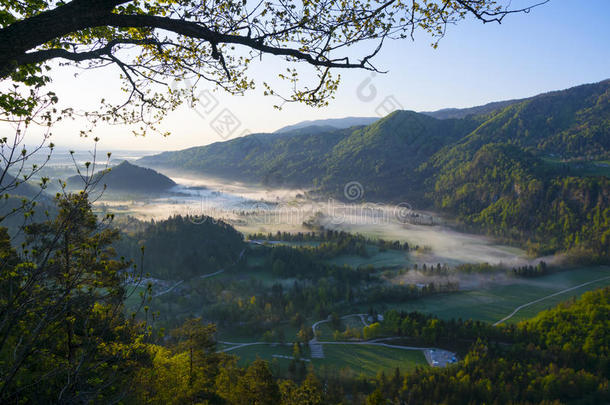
126 177
517 175
534 171
512 194
182 247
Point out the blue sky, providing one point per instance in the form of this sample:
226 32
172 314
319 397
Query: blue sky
561 44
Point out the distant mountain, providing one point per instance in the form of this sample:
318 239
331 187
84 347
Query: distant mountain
127 177
569 124
533 170
447 113
337 123
291 159
384 156
303 158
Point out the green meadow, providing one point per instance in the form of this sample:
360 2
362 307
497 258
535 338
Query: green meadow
494 302
361 359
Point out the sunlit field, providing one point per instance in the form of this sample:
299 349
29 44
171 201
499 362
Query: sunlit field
494 302
360 359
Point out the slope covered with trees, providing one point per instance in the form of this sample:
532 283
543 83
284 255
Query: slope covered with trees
383 156
515 171
126 177
291 159
512 194
183 247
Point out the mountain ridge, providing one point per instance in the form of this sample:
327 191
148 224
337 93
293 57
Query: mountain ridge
127 177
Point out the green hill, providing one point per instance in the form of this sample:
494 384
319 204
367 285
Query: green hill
386 152
182 247
127 177
292 158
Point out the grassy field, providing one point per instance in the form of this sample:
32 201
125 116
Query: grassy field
495 302
326 331
134 299
370 360
362 359
248 354
377 259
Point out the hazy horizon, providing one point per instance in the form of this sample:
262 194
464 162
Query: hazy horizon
83 146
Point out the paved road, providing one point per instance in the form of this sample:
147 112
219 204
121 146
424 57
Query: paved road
520 307
169 289
435 357
238 345
212 274
315 325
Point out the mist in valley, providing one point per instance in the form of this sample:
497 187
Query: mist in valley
253 208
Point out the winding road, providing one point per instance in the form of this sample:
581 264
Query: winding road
433 356
168 290
520 307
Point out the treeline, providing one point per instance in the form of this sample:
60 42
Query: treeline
257 308
529 270
539 269
428 329
181 247
333 242
303 263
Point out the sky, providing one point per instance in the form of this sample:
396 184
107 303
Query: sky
561 44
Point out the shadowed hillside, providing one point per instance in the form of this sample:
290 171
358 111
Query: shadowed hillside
127 177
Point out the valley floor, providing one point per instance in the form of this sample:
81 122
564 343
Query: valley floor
510 301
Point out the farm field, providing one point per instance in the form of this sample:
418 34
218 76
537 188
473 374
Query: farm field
361 359
370 360
377 259
497 301
266 351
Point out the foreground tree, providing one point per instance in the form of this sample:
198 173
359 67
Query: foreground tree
63 333
63 336
153 43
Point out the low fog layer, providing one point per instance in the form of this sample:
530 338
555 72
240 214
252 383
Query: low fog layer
252 208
